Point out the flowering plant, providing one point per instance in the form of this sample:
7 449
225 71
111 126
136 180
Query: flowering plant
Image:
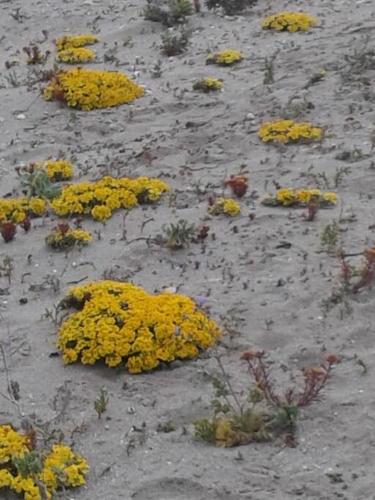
224 206
287 197
63 237
225 57
285 131
289 21
120 322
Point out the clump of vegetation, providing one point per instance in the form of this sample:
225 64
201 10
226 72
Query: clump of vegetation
267 412
35 55
101 402
169 13
101 198
75 41
175 41
76 55
224 206
230 7
289 21
36 472
134 327
286 131
208 84
226 57
179 235
88 89
289 197
238 184
57 170
36 182
62 237
330 236
17 210
8 230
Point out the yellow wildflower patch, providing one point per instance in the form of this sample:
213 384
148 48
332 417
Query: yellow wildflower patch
120 322
101 198
75 41
287 197
289 21
225 206
60 467
57 170
285 131
75 55
225 57
89 89
18 209
63 237
208 84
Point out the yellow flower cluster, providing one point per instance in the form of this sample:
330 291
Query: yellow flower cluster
76 55
61 467
57 170
62 237
225 57
17 209
121 322
301 197
226 206
208 84
99 199
75 41
285 131
89 89
289 21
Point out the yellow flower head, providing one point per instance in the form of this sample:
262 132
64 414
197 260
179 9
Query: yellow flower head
75 55
289 21
225 57
285 131
89 89
119 322
226 206
74 41
208 84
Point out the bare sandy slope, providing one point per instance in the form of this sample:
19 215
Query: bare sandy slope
264 295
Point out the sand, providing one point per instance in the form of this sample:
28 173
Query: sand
262 292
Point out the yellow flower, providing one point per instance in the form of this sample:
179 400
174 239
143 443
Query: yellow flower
74 41
289 21
57 170
226 206
285 196
119 322
75 55
89 89
330 198
300 197
101 212
285 131
37 206
225 57
208 84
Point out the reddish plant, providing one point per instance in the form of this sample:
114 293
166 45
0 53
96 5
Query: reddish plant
26 224
238 185
315 378
367 273
197 5
63 228
312 209
8 231
202 232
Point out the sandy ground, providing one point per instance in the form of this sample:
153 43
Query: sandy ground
262 295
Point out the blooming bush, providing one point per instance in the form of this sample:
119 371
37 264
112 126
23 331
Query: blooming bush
75 41
120 322
289 21
101 198
57 170
225 57
18 209
285 131
208 84
63 237
287 197
89 89
224 206
75 55
37 474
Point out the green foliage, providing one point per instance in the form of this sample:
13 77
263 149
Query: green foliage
101 402
174 41
205 430
37 183
178 235
330 236
168 13
28 465
230 7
